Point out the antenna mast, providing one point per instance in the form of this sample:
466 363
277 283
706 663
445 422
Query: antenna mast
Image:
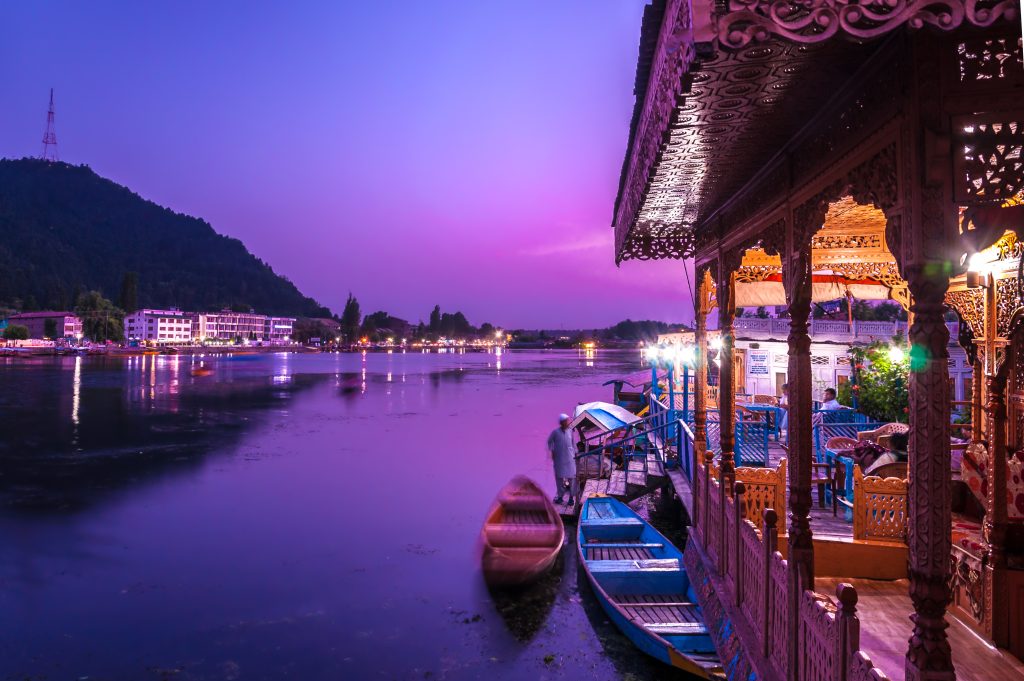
50 136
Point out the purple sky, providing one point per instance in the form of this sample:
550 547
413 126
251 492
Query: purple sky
459 153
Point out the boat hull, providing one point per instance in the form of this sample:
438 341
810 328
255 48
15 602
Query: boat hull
522 536
635 574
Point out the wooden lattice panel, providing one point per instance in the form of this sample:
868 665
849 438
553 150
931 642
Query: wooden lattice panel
879 508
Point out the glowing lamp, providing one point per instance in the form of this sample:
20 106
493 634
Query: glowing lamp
896 354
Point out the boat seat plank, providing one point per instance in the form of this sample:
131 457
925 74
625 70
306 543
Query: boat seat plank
646 565
658 604
613 521
677 628
622 545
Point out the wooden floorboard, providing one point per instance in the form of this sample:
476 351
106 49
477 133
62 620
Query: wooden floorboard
884 610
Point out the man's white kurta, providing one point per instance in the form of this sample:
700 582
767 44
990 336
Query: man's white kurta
563 452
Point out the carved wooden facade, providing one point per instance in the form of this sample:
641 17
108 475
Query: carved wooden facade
740 151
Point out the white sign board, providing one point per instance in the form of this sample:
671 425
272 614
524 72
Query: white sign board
758 365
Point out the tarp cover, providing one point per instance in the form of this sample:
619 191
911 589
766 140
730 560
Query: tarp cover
603 415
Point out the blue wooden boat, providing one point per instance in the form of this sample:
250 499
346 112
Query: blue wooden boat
639 579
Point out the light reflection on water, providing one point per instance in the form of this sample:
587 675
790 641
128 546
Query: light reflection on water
302 516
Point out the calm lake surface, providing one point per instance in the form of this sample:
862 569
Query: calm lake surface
286 517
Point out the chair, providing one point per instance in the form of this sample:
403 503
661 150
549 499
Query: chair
896 469
879 508
839 444
766 399
821 475
887 429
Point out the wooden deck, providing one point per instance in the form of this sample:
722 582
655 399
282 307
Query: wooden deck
884 610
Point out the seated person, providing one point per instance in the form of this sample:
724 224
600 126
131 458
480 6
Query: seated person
830 403
897 454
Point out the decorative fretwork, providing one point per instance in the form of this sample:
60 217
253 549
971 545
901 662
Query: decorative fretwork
832 240
814 21
883 272
970 305
658 241
989 59
749 274
989 162
966 582
1007 304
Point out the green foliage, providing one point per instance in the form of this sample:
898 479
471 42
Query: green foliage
129 300
881 381
101 321
350 319
16 332
64 229
646 330
50 328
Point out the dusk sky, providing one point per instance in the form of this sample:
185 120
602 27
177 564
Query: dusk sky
414 153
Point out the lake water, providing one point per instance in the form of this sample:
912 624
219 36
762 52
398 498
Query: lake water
286 517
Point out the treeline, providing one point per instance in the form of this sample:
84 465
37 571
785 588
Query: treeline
65 231
352 326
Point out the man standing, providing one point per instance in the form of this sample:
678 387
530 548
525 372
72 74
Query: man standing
563 456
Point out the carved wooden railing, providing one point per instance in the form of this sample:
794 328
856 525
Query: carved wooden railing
755 580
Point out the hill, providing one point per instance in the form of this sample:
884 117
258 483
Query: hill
64 229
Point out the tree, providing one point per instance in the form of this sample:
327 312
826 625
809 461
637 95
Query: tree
350 319
50 328
16 332
101 320
487 330
435 319
129 300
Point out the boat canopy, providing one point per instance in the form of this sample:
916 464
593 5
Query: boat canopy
603 416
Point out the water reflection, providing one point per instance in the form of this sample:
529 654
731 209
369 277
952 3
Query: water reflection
319 529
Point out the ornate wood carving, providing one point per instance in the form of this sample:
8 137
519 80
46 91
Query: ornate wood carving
970 305
728 263
930 503
990 162
813 21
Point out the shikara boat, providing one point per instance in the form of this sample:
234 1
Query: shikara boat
522 535
639 579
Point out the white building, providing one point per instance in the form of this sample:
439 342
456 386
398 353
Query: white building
278 329
762 360
158 326
228 327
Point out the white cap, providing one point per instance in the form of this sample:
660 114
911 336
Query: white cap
563 417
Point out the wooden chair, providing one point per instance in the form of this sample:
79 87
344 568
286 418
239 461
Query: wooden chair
879 508
897 469
766 399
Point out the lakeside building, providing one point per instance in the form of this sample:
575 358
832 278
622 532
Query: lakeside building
795 151
761 354
227 327
66 324
278 329
158 326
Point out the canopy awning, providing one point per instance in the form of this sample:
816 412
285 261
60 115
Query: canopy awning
603 416
824 287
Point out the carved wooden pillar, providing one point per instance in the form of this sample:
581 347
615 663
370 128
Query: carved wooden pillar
797 271
700 374
928 656
727 381
701 455
996 613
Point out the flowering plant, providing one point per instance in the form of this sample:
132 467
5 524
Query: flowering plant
879 381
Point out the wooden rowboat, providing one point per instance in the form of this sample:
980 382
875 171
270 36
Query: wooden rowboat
638 577
522 535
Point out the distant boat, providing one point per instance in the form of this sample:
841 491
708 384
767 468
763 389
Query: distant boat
638 577
522 536
201 371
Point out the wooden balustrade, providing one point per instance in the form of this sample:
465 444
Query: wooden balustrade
756 579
